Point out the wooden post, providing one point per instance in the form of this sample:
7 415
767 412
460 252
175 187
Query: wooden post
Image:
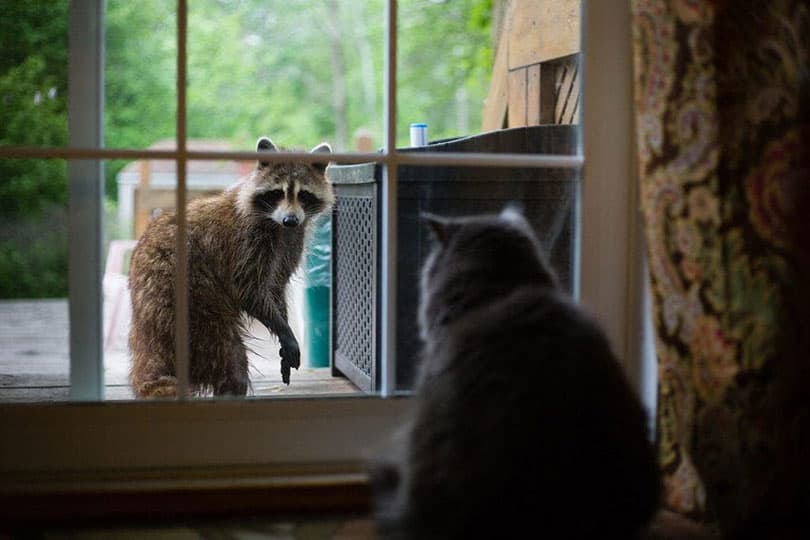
545 93
363 140
567 103
142 211
534 36
517 98
495 105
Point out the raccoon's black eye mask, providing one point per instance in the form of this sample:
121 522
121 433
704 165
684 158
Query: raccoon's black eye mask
269 199
309 201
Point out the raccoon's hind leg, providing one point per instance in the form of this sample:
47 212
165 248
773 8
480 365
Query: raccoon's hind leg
219 363
164 386
236 379
152 371
150 378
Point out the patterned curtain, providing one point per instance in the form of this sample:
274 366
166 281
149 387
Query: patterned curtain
721 90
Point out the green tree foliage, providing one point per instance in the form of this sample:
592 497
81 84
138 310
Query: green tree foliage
33 105
298 71
259 67
444 65
33 112
139 76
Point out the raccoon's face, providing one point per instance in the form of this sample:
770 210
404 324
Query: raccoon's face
287 193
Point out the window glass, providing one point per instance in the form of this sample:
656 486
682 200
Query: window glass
308 73
299 72
484 77
140 50
473 66
34 322
444 65
238 253
140 96
547 197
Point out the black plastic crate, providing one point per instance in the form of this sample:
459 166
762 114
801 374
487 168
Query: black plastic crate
547 195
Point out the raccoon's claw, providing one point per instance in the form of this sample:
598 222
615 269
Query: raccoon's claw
290 358
285 372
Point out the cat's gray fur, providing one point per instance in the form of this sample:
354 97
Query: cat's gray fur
523 419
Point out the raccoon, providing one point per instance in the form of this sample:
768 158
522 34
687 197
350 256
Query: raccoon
243 246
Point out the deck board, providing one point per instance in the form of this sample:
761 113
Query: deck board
35 362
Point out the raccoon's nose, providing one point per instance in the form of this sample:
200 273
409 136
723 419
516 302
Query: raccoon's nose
290 221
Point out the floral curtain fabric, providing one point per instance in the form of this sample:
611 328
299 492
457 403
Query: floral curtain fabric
721 90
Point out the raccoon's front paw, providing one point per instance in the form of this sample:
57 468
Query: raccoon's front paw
290 352
290 358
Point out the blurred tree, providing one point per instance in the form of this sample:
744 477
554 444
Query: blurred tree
445 60
33 112
140 73
296 70
33 105
299 71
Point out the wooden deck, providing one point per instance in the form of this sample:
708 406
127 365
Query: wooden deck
34 355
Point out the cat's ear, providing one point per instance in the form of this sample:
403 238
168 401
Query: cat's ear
513 211
438 226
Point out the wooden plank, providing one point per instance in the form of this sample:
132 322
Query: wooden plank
546 98
33 380
534 95
34 363
306 506
574 95
542 30
28 395
496 101
574 119
154 198
517 98
301 388
568 91
331 386
141 211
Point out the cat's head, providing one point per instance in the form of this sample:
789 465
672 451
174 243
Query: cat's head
475 259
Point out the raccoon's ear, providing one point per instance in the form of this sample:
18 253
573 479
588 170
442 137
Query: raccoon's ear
264 144
441 228
321 148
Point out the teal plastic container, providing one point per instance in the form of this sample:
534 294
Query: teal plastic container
318 274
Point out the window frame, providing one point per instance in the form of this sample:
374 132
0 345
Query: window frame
81 446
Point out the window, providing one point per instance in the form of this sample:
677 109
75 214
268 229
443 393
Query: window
114 442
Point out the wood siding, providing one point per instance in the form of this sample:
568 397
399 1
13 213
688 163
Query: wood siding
535 78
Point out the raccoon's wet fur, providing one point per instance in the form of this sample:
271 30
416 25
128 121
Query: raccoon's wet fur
243 246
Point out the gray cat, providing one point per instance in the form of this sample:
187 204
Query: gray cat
523 422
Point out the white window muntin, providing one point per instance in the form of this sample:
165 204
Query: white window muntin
286 434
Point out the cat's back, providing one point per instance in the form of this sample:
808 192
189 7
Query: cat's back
526 388
523 418
539 331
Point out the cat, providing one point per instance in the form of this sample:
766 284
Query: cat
522 417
